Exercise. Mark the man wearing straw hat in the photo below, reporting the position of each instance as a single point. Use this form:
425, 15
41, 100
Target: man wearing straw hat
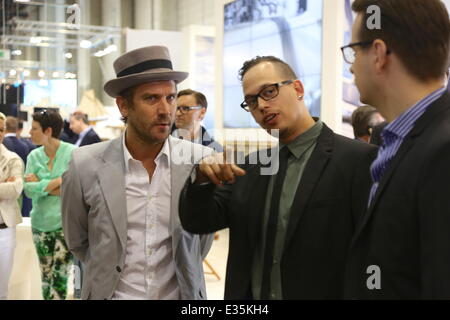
120, 197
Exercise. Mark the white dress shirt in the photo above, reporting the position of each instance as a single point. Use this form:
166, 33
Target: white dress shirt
149, 270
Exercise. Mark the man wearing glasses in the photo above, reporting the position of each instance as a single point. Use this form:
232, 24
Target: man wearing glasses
289, 231
401, 249
191, 110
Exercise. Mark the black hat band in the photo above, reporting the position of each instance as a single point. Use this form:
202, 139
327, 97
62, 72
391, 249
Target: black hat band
146, 65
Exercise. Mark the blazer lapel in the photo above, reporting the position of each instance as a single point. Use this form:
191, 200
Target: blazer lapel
112, 182
311, 176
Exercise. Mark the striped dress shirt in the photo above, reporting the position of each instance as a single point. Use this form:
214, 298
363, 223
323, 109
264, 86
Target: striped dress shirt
394, 134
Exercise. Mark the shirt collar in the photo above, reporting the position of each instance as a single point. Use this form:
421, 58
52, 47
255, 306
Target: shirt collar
163, 154
401, 126
10, 135
297, 146
83, 133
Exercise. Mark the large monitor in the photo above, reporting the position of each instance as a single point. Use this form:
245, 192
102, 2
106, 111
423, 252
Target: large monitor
288, 29
57, 92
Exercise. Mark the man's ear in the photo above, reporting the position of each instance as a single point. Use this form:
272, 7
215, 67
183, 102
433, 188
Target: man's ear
381, 53
298, 86
202, 114
122, 104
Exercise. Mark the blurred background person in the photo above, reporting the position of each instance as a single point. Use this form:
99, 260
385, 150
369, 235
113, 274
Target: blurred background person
11, 141
191, 109
14, 143
364, 119
27, 141
375, 137
67, 135
79, 124
11, 172
45, 165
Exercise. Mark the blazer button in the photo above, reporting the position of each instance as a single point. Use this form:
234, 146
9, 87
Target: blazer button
118, 269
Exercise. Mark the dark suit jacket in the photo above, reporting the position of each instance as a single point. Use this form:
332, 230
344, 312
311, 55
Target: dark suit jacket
328, 202
406, 231
90, 138
14, 144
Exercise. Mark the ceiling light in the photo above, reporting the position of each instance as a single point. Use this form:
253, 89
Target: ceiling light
68, 55
12, 72
85, 44
35, 40
55, 74
16, 52
26, 73
21, 0
41, 73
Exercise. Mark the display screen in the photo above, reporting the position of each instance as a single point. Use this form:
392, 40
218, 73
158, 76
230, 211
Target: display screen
58, 92
288, 29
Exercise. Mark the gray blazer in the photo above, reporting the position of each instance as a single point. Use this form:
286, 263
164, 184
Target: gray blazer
94, 217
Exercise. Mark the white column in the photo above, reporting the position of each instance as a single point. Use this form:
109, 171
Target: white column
332, 63
110, 17
83, 60
143, 14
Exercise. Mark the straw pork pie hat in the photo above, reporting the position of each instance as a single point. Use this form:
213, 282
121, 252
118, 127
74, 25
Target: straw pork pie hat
140, 66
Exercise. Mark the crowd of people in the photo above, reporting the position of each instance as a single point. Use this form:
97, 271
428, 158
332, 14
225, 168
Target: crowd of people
336, 218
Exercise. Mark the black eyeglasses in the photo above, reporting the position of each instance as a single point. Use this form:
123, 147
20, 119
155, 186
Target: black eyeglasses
186, 109
267, 93
349, 53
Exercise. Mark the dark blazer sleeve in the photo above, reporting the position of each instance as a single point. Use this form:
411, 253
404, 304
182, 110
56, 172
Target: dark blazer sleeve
204, 208
434, 221
91, 137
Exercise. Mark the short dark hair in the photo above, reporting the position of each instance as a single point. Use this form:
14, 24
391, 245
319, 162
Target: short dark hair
283, 67
12, 124
418, 31
80, 115
49, 119
200, 98
362, 120
128, 95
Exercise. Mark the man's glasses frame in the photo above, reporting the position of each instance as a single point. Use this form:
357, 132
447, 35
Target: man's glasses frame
251, 101
349, 53
186, 109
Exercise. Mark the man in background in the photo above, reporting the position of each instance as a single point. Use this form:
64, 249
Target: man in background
79, 124
364, 119
191, 109
17, 145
